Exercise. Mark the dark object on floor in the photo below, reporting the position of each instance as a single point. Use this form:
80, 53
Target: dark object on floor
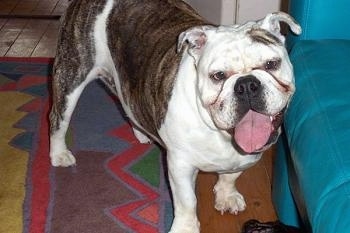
254, 226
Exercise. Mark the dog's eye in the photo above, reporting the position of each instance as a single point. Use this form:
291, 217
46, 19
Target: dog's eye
218, 76
273, 65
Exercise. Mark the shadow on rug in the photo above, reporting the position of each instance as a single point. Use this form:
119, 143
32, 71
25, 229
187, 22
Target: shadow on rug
118, 184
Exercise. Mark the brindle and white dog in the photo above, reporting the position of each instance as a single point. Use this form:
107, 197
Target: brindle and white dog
213, 96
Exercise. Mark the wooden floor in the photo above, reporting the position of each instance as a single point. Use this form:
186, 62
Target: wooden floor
37, 38
25, 37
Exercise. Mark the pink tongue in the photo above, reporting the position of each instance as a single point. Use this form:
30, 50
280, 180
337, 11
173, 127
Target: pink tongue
253, 131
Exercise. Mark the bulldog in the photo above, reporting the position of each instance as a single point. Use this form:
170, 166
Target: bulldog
212, 96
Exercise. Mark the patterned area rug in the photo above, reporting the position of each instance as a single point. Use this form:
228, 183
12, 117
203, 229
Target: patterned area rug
118, 184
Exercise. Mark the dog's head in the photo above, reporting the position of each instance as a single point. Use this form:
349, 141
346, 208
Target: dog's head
245, 79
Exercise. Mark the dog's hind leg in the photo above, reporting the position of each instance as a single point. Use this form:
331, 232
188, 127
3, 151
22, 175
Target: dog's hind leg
66, 93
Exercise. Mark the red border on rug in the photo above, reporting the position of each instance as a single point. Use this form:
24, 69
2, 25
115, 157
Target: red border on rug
40, 177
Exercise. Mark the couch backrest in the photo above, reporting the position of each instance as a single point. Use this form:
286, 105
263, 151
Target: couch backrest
321, 19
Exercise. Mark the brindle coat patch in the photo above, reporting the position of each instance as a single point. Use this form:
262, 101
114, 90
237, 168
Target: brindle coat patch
265, 37
142, 40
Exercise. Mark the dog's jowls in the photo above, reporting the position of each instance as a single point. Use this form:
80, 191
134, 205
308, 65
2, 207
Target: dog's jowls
213, 96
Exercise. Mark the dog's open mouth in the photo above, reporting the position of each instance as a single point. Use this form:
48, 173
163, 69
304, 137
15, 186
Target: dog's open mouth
256, 130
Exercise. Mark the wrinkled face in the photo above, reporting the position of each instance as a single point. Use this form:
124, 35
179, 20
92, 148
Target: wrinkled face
245, 81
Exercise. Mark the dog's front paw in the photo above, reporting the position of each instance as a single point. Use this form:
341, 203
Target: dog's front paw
63, 159
231, 201
185, 223
185, 228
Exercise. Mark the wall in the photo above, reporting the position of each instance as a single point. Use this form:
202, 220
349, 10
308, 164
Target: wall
255, 9
216, 11
236, 11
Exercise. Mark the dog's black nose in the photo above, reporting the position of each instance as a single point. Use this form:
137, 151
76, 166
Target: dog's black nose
247, 87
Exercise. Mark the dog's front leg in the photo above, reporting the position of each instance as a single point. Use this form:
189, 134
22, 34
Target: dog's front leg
227, 198
182, 177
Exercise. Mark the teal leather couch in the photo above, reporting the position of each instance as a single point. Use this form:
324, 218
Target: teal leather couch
311, 185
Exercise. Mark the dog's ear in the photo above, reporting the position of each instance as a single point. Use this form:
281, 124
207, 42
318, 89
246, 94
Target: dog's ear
195, 38
272, 22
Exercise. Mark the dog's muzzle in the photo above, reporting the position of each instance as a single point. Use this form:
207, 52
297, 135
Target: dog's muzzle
256, 130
